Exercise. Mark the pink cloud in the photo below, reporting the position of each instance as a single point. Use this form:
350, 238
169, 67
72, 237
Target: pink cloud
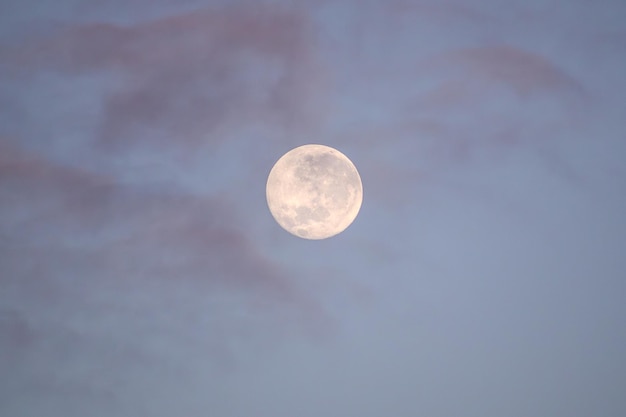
181, 78
73, 241
69, 204
527, 73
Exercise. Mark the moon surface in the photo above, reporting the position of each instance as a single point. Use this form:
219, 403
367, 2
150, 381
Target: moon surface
314, 192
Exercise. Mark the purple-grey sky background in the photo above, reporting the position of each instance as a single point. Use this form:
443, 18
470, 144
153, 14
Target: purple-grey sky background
141, 273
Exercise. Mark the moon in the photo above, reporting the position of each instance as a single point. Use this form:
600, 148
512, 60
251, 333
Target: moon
314, 192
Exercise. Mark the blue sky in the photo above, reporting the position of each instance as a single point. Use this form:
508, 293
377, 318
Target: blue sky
141, 273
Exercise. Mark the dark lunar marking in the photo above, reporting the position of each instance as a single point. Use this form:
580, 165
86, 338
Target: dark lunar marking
289, 222
315, 166
330, 169
306, 214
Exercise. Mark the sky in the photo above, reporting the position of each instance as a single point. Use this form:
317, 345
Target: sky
142, 274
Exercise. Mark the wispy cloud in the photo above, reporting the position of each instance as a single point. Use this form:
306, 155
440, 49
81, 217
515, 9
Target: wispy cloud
523, 71
181, 78
81, 253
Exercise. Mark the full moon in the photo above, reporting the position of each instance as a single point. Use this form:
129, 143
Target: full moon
314, 192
